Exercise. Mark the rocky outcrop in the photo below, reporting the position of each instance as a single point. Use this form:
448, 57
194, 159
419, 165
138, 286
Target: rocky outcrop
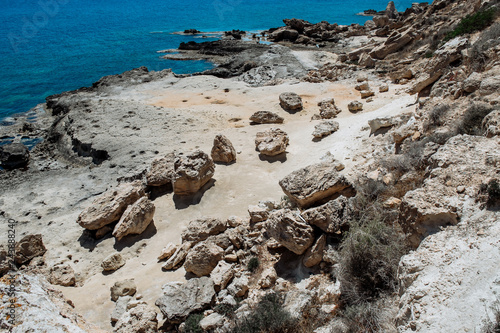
14, 155
192, 172
179, 300
141, 318
395, 42
272, 142
29, 247
123, 288
266, 117
135, 219
290, 101
325, 128
200, 229
331, 217
355, 106
223, 150
62, 275
110, 206
290, 230
491, 124
203, 258
113, 262
161, 171
314, 183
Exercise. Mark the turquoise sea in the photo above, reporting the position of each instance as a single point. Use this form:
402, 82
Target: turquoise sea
50, 46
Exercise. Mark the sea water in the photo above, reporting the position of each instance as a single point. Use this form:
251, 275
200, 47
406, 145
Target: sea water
51, 46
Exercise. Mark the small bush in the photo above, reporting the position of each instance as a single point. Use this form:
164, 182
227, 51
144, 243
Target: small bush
364, 318
411, 158
226, 309
369, 254
492, 191
472, 23
269, 316
436, 116
493, 326
488, 40
371, 189
473, 119
193, 323
253, 264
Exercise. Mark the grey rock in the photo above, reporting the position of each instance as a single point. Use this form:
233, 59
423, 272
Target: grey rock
325, 128
161, 171
290, 230
290, 101
266, 117
14, 155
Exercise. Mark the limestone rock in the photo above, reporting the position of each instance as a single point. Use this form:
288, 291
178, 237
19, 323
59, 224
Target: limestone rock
330, 217
200, 229
203, 258
266, 117
179, 300
123, 288
258, 213
239, 286
14, 155
268, 278
178, 257
223, 150
355, 106
161, 171
491, 124
328, 109
167, 251
272, 142
314, 255
222, 274
362, 86
140, 319
101, 232
391, 11
472, 83
135, 219
110, 206
192, 172
29, 247
378, 123
383, 88
325, 128
113, 262
367, 93
120, 307
290, 101
211, 322
313, 183
395, 42
367, 61
289, 229
490, 84
62, 275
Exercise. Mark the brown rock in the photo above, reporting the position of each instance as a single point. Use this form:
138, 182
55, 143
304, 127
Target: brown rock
110, 206
394, 43
272, 142
355, 106
290, 101
29, 247
167, 252
135, 219
362, 86
290, 231
314, 255
62, 275
178, 257
203, 258
123, 288
328, 109
200, 229
192, 172
330, 217
367, 93
223, 150
113, 262
266, 117
162, 171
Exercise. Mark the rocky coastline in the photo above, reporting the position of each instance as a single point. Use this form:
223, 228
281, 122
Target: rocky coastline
337, 179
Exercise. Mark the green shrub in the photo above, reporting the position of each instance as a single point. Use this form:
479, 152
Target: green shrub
193, 323
472, 23
436, 116
371, 189
253, 264
369, 254
268, 316
473, 119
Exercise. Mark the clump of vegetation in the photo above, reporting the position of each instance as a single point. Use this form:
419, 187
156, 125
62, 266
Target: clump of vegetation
410, 159
365, 317
474, 22
371, 189
253, 264
491, 192
473, 119
226, 309
268, 316
487, 41
193, 323
493, 326
436, 116
369, 254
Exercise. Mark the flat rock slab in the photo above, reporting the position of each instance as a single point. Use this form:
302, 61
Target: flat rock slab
313, 183
325, 128
266, 117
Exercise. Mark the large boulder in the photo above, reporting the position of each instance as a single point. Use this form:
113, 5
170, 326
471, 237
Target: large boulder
202, 259
139, 319
266, 117
284, 34
200, 229
330, 217
135, 219
289, 229
272, 142
313, 183
290, 101
179, 300
110, 206
223, 150
14, 155
222, 274
325, 128
29, 247
192, 172
491, 124
161, 171
391, 11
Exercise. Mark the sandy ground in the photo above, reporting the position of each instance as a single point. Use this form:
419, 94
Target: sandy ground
212, 106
